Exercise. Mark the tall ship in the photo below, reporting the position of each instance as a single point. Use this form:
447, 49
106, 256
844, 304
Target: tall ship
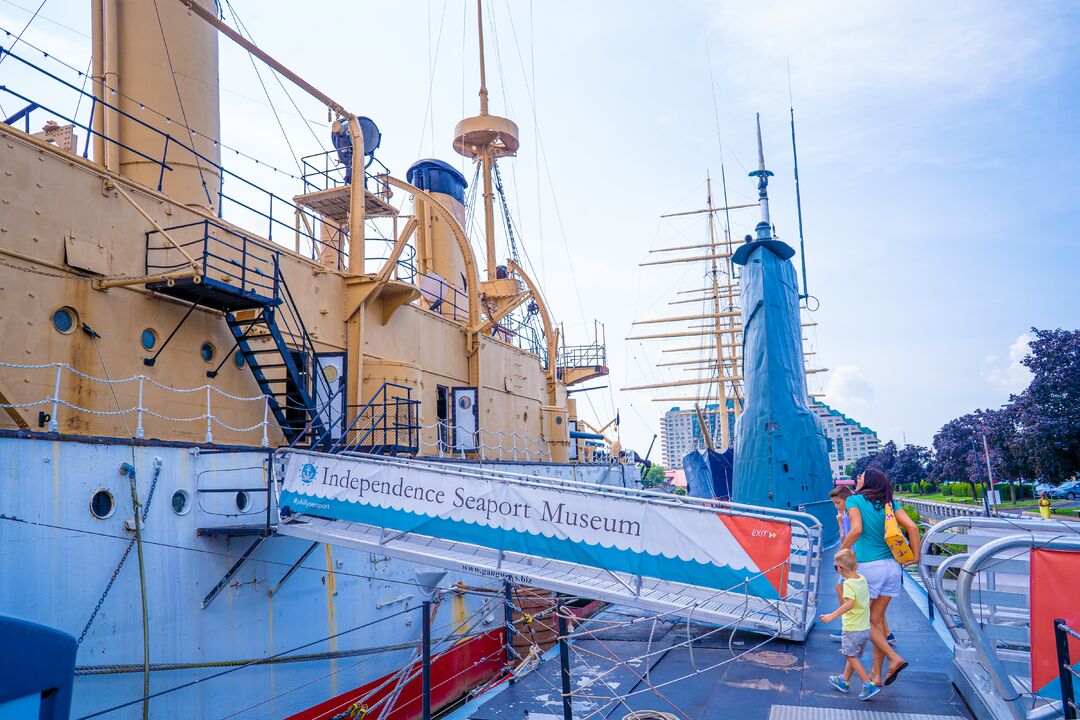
170, 323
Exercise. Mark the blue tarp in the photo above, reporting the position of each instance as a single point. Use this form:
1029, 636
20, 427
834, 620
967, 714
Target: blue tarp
708, 474
781, 455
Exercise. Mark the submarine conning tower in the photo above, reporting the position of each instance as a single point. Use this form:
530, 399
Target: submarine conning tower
781, 454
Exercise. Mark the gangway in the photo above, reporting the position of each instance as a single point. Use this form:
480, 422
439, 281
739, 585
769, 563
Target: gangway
711, 562
1001, 585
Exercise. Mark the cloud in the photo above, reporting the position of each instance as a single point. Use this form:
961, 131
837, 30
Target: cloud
952, 51
1013, 377
848, 388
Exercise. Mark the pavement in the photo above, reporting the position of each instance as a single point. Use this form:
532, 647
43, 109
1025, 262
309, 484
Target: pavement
640, 666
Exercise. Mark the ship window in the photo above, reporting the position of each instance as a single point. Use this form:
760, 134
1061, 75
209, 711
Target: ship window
65, 319
101, 504
238, 358
148, 339
180, 502
207, 352
242, 501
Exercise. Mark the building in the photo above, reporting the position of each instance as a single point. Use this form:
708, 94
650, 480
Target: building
848, 439
680, 431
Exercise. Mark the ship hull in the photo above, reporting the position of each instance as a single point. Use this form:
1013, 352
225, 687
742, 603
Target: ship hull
57, 558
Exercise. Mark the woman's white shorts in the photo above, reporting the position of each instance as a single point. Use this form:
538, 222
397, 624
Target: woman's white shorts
882, 577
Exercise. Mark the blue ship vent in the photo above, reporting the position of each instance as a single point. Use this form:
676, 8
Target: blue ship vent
438, 176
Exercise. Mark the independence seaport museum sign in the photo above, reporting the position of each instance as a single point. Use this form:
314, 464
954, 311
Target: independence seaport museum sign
625, 531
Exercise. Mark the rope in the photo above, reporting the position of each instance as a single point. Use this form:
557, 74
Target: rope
240, 667
123, 558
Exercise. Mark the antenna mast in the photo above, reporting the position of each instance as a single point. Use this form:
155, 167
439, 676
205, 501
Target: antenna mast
798, 196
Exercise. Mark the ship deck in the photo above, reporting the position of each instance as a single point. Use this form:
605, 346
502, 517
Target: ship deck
742, 676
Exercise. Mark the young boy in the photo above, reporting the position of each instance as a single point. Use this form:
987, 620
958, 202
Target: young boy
855, 610
839, 496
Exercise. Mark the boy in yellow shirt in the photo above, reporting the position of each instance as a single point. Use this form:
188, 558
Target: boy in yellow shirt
855, 611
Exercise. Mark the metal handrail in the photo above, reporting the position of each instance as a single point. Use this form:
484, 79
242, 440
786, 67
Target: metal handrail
999, 676
162, 162
809, 527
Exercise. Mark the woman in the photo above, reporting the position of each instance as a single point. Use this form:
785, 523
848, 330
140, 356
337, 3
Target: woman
866, 512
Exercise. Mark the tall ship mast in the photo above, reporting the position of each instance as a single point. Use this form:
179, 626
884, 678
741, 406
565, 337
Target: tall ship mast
171, 322
716, 392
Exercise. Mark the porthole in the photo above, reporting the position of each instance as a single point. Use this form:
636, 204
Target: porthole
102, 504
180, 502
242, 501
148, 339
238, 358
65, 319
207, 352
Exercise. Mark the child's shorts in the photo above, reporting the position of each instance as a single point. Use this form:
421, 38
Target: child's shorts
852, 644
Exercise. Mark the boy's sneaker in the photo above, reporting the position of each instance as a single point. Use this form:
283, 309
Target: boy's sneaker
869, 690
891, 639
839, 683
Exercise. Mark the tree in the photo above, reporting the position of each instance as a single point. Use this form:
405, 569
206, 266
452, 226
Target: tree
1047, 413
654, 476
958, 452
909, 464
912, 465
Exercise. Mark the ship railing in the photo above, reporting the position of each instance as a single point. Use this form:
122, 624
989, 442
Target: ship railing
135, 389
251, 204
489, 445
223, 255
1068, 675
977, 573
326, 170
389, 422
577, 356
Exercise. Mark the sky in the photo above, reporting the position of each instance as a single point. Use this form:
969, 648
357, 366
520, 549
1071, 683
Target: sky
938, 145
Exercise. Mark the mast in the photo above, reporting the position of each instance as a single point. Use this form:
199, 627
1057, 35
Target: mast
725, 439
720, 334
485, 138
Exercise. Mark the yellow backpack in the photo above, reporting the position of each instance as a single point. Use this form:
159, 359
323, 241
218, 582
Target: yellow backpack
895, 539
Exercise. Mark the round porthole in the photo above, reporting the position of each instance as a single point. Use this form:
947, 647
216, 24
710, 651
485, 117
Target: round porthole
242, 501
102, 504
238, 358
148, 339
330, 373
65, 319
207, 352
180, 502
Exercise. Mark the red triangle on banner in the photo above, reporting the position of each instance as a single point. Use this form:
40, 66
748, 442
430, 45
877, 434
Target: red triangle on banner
767, 542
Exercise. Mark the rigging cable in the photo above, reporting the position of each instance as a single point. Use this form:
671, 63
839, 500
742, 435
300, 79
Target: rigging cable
228, 671
129, 470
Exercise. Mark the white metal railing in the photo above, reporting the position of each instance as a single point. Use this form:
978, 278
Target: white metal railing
943, 510
976, 571
140, 409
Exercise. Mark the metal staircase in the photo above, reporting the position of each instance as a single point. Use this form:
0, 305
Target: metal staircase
242, 279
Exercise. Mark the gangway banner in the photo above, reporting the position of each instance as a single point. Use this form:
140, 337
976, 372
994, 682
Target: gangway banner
622, 531
1053, 597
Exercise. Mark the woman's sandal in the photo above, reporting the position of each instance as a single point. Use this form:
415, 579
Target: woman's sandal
894, 672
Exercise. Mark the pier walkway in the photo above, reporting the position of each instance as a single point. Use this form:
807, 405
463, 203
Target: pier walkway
728, 675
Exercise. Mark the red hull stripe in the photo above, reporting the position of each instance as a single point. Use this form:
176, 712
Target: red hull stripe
453, 673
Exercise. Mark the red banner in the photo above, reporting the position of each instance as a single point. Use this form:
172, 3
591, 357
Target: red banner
1053, 596
767, 542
